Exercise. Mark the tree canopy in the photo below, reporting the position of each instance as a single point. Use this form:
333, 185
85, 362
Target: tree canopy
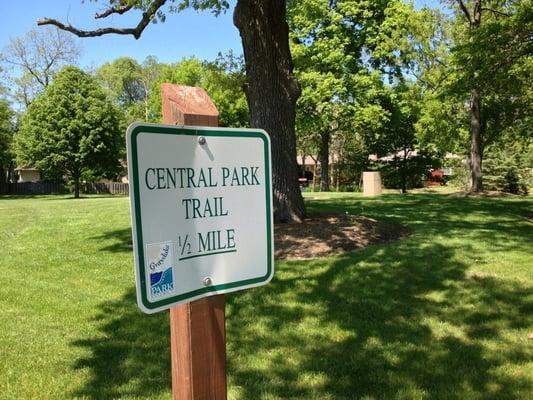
490, 67
134, 86
37, 56
353, 59
371, 78
130, 85
7, 130
271, 90
71, 129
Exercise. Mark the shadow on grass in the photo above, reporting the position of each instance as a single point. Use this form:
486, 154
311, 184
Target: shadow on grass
496, 221
121, 240
130, 357
405, 324
399, 321
55, 196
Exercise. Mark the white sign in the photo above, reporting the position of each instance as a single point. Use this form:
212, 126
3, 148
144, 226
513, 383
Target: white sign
201, 206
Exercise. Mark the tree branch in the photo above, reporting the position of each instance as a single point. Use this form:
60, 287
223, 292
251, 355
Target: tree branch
136, 32
495, 11
114, 10
465, 10
82, 33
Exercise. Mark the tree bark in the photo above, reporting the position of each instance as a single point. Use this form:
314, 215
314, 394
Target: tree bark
336, 175
3, 180
11, 177
272, 92
76, 187
403, 171
324, 161
145, 87
476, 144
314, 173
476, 149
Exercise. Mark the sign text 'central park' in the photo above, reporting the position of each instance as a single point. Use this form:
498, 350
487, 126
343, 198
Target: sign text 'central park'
201, 211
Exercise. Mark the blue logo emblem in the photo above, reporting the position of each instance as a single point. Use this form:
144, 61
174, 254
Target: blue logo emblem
160, 265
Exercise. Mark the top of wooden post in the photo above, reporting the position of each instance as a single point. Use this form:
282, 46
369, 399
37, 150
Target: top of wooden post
187, 105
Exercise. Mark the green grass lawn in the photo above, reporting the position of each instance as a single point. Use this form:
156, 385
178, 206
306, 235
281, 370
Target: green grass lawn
442, 314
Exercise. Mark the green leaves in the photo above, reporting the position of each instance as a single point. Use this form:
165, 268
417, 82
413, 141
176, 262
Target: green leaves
343, 53
71, 128
6, 135
216, 6
494, 57
223, 79
129, 84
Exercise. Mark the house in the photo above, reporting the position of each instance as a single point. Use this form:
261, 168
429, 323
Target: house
312, 164
28, 174
309, 167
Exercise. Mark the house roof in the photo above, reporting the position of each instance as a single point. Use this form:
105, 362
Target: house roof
26, 169
310, 161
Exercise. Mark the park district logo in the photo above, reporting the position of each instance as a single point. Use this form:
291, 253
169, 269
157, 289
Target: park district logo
160, 269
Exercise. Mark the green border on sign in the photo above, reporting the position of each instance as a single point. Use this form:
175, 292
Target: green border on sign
154, 129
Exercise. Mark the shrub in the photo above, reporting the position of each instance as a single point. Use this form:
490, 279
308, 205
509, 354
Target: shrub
505, 169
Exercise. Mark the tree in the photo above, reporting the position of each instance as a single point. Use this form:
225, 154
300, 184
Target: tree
38, 55
225, 83
3, 89
271, 92
6, 138
474, 21
344, 50
71, 128
130, 85
410, 160
491, 61
322, 57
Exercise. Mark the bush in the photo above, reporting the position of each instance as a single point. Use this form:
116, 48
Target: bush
350, 169
459, 177
506, 170
353, 187
413, 171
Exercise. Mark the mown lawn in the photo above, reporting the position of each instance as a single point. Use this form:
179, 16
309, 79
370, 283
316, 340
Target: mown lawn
443, 314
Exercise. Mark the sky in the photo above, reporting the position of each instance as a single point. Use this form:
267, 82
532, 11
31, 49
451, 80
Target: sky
182, 35
189, 33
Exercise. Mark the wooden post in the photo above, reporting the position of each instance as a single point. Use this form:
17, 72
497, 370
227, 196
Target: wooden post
197, 329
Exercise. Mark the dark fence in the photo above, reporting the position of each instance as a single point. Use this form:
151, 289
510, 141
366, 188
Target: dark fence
34, 188
111, 188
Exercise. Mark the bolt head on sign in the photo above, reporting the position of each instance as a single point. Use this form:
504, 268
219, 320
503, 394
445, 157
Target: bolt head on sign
201, 206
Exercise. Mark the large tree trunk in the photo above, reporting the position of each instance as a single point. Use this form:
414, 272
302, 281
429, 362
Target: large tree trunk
403, 172
314, 174
76, 187
3, 180
476, 149
337, 173
272, 93
12, 178
324, 161
476, 145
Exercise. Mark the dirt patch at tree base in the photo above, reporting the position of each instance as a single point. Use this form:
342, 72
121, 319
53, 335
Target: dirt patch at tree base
328, 234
